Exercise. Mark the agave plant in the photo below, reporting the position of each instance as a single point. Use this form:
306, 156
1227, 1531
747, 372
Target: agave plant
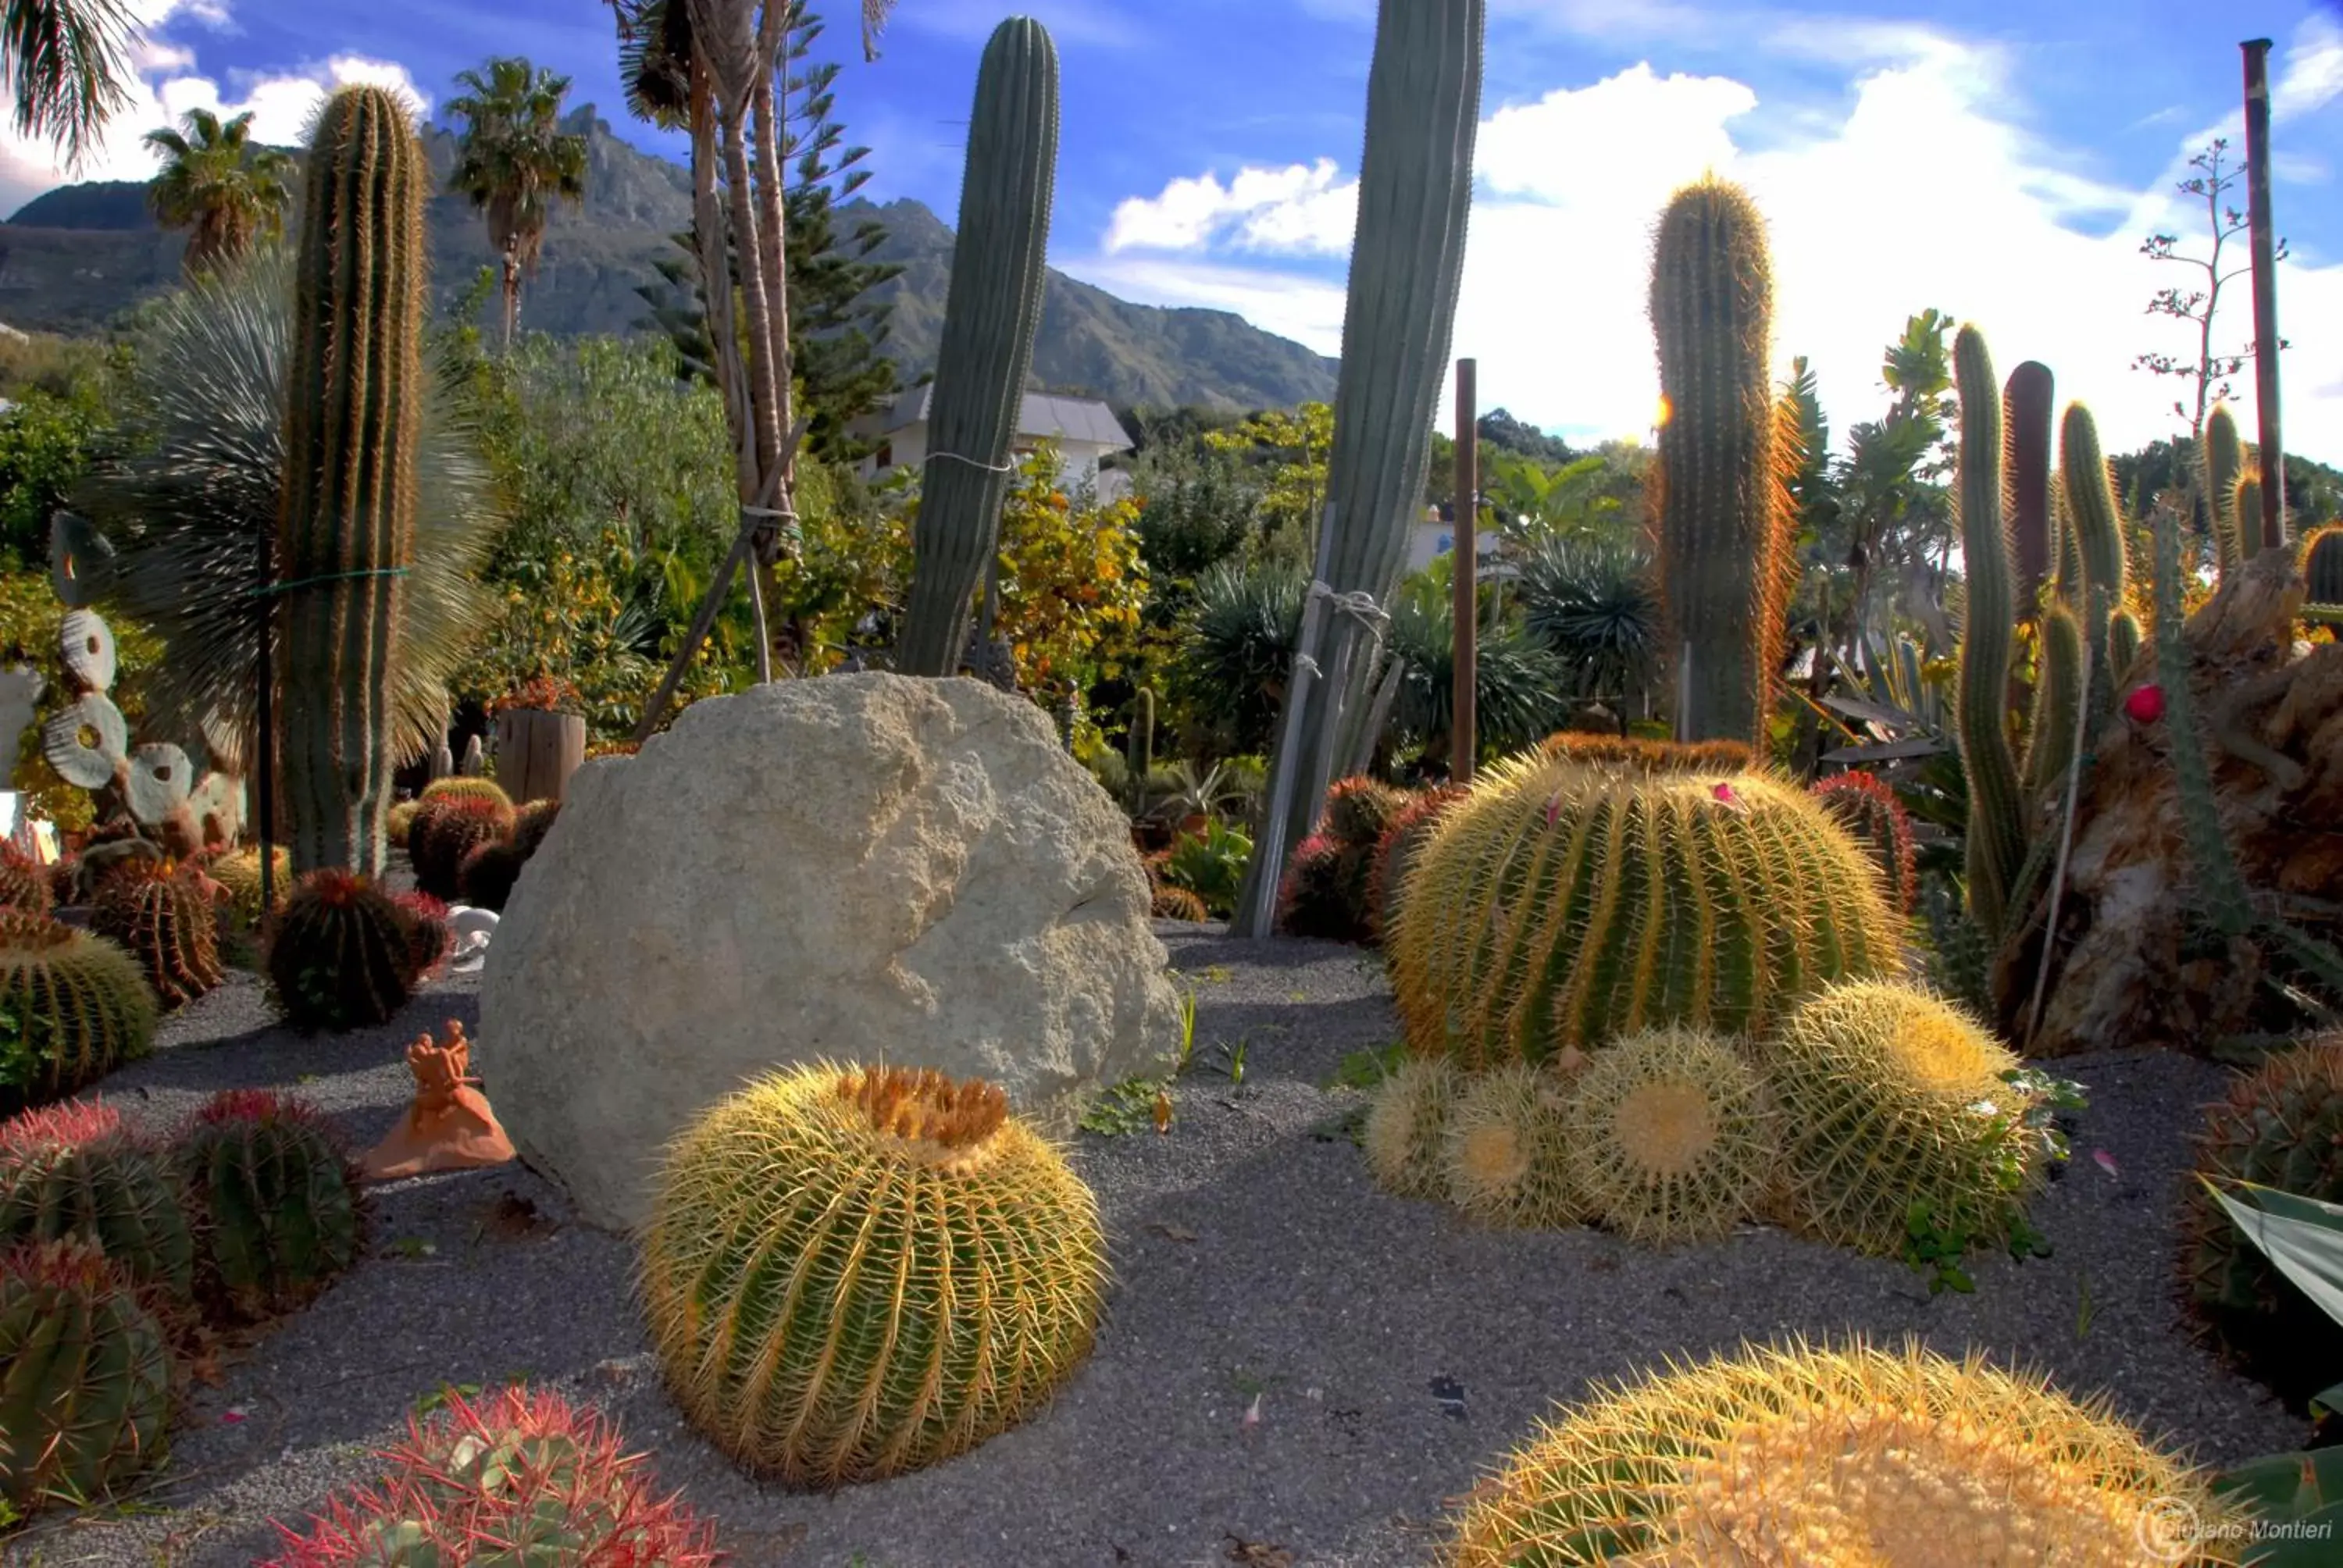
1595, 605
187, 507
1519, 686
1237, 648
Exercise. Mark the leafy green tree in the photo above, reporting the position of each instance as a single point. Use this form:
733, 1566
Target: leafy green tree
514, 161
224, 191
47, 444
66, 64
1286, 454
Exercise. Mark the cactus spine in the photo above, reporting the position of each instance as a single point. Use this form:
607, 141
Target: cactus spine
2224, 459
280, 1199
1724, 560
2322, 556
991, 311
75, 1169
163, 919
1997, 824
2027, 412
1139, 750
2058, 700
1867, 806
347, 521
84, 1375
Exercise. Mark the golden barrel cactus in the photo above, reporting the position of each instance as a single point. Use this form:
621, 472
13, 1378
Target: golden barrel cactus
1506, 1150
1407, 1127
1580, 893
854, 1272
1672, 1136
1795, 1457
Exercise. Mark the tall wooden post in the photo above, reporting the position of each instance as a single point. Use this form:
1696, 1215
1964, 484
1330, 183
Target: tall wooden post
1462, 738
2262, 232
264, 759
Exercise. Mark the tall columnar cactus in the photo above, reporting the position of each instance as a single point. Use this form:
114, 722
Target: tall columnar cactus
2027, 411
84, 1375
2221, 461
346, 520
76, 1170
1798, 1455
1565, 902
2322, 557
73, 1007
2098, 540
1996, 823
1726, 568
991, 311
282, 1212
1138, 749
2050, 730
1407, 262
853, 1274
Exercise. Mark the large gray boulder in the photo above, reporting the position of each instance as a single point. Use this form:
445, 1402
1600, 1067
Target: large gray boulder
859, 867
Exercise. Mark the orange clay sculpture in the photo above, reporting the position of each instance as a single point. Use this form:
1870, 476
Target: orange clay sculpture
449, 1127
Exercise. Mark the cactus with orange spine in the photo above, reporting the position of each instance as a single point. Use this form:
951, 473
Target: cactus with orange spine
73, 1007
75, 1168
163, 919
1866, 806
941, 1271
1671, 1135
1565, 902
2221, 460
1172, 903
84, 1376
341, 953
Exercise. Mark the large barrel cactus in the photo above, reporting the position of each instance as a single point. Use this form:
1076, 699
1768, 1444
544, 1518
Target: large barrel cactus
347, 525
852, 1274
283, 1217
1726, 567
84, 1375
162, 916
1567, 901
991, 311
73, 1007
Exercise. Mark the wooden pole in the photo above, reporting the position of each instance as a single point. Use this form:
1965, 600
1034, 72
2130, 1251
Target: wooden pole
1467, 617
2265, 342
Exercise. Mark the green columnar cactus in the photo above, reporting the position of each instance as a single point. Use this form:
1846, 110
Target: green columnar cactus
1565, 902
1138, 749
2098, 540
852, 1274
1996, 822
1407, 262
163, 919
73, 1007
2123, 634
341, 953
2026, 415
84, 1375
283, 1217
2222, 459
2219, 887
75, 1169
2322, 556
1867, 806
2245, 504
346, 524
991, 311
1724, 560
2058, 700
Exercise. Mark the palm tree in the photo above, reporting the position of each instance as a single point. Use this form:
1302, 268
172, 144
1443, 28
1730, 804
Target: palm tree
227, 192
515, 160
64, 63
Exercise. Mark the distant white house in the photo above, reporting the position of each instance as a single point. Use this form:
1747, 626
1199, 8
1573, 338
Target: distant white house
1434, 535
1084, 430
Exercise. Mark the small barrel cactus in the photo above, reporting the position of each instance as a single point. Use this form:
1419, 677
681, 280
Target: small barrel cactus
1671, 1135
1395, 852
520, 1480
1864, 805
163, 919
1896, 1107
1507, 1151
1842, 1457
1178, 904
448, 828
341, 953
1322, 893
24, 886
1359, 811
283, 1217
84, 1376
457, 785
238, 870
76, 1170
1571, 900
73, 1007
432, 939
850, 1273
2280, 1126
489, 873
1406, 1135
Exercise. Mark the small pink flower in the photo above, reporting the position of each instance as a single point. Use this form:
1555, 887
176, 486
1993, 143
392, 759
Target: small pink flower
1553, 807
1727, 796
2105, 1162
232, 1414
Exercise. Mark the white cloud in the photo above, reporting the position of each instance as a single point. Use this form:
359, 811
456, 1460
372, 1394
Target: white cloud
168, 85
1556, 271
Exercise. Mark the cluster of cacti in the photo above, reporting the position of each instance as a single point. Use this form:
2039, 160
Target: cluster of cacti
76, 1169
1506, 1148
992, 308
1567, 901
1328, 877
1395, 852
346, 533
1863, 805
1797, 1456
1671, 1135
73, 1007
450, 828
84, 1376
1895, 1107
520, 1480
2280, 1126
853, 1272
1723, 513
344, 954
279, 1194
489, 873
24, 886
238, 871
162, 916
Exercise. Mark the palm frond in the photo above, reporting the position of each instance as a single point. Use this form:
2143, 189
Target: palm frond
67, 64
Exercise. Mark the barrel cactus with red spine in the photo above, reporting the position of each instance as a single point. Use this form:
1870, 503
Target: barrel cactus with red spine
447, 830
1325, 890
24, 886
73, 1007
342, 954
283, 1215
84, 1376
489, 873
520, 1479
1867, 808
161, 915
76, 1169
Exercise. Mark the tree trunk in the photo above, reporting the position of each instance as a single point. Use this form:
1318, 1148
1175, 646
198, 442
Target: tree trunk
511, 292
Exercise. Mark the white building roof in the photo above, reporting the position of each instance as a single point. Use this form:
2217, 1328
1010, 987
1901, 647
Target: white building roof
1041, 418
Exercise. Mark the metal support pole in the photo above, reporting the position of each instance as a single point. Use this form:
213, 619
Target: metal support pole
2262, 232
1463, 741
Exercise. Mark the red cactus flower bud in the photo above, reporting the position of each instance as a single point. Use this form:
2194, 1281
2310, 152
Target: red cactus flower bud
2145, 704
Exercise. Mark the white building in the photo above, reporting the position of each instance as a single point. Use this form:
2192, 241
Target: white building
1434, 535
1084, 430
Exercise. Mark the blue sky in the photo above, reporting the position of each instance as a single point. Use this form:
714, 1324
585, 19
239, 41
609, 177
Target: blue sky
1998, 160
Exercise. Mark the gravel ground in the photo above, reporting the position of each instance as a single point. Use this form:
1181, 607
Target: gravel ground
1391, 1352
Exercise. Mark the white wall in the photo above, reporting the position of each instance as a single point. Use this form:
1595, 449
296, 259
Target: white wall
1078, 461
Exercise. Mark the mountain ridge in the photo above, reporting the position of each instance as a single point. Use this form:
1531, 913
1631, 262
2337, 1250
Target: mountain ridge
74, 257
